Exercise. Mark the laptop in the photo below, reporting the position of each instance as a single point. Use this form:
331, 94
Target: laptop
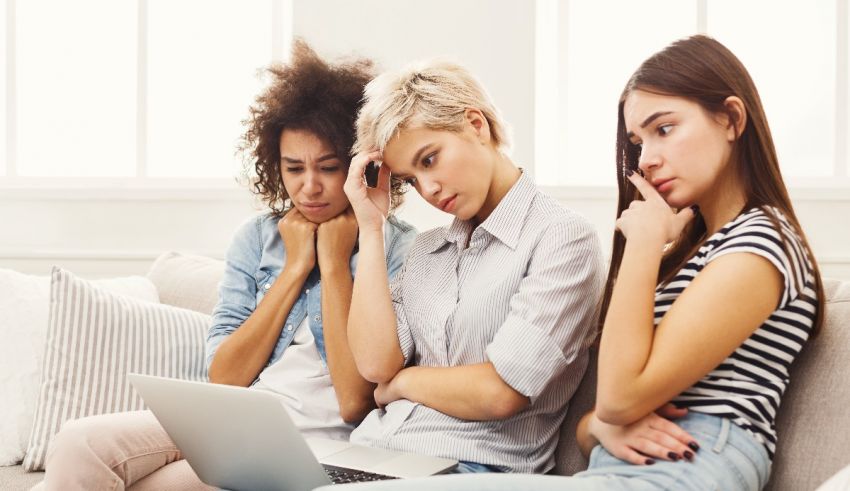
241, 439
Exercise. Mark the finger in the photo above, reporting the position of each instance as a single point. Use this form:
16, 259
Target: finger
684, 216
632, 456
674, 431
357, 168
670, 411
651, 448
645, 188
670, 444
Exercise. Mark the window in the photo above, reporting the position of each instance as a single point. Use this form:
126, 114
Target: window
202, 77
75, 96
591, 53
133, 89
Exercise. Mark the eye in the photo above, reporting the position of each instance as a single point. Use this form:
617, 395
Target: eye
410, 181
330, 168
665, 129
294, 169
429, 160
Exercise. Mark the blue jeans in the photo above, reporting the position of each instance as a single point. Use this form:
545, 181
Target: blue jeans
729, 459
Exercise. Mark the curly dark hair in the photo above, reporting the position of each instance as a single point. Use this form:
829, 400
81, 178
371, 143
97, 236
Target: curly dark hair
305, 94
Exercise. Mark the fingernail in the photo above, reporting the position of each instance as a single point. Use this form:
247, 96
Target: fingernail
629, 172
673, 456
694, 446
695, 208
688, 455
649, 461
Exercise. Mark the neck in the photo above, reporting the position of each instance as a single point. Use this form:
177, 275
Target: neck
720, 208
505, 175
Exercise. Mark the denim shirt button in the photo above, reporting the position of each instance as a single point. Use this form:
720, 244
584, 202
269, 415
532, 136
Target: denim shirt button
316, 318
307, 291
267, 286
289, 327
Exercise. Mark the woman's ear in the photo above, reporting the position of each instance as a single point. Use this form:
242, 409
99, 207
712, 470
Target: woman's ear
737, 113
480, 125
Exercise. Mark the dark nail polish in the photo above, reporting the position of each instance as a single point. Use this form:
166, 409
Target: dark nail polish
649, 461
694, 446
629, 172
688, 455
673, 456
695, 209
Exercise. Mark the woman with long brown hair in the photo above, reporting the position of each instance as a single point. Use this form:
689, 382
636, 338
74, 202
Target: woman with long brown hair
712, 292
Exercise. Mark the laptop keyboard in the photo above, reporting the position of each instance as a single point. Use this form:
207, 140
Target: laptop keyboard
338, 475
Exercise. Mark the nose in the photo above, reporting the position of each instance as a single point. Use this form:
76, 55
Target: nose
650, 159
312, 183
428, 188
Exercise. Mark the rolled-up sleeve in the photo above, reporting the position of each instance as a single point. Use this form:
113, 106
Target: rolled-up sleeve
237, 297
552, 317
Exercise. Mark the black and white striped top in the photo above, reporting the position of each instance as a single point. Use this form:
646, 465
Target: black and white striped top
522, 296
748, 386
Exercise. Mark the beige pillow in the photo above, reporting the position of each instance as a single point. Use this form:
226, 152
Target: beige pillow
187, 281
24, 304
94, 338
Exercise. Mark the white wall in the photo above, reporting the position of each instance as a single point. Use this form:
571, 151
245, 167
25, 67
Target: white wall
106, 232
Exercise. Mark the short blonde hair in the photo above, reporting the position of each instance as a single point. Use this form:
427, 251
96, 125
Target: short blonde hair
433, 94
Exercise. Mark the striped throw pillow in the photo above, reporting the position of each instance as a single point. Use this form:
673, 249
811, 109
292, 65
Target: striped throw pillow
94, 339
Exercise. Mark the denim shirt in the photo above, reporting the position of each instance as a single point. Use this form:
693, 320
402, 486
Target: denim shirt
254, 260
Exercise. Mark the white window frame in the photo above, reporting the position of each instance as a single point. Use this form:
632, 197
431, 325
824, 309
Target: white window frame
835, 187
141, 185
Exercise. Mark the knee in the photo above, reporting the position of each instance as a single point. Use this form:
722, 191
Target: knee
74, 439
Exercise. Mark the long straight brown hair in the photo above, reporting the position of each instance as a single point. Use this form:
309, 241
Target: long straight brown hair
702, 70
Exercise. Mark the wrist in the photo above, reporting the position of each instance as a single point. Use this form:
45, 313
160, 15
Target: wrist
335, 269
401, 383
646, 245
296, 270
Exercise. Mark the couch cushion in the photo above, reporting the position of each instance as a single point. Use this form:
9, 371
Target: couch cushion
187, 281
15, 478
814, 420
568, 457
24, 303
94, 338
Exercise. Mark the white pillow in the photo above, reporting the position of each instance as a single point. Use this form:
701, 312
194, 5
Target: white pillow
94, 339
24, 302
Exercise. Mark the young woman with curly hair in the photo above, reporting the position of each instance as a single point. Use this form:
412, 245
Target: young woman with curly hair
280, 322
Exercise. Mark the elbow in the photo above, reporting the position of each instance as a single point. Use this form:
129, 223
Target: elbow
376, 371
505, 402
614, 412
354, 411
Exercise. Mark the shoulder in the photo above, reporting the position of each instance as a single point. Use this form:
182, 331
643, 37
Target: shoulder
252, 232
549, 217
396, 226
762, 228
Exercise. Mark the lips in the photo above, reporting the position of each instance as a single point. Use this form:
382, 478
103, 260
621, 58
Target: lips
663, 185
447, 204
313, 207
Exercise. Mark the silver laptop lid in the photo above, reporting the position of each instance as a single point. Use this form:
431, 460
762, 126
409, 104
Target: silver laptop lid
233, 437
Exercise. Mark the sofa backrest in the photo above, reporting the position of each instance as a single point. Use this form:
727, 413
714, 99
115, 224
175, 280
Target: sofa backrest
814, 419
187, 281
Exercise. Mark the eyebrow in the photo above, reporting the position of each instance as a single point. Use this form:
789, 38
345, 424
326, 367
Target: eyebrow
419, 153
290, 160
649, 120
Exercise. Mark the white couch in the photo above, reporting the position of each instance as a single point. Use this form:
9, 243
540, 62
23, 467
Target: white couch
813, 426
